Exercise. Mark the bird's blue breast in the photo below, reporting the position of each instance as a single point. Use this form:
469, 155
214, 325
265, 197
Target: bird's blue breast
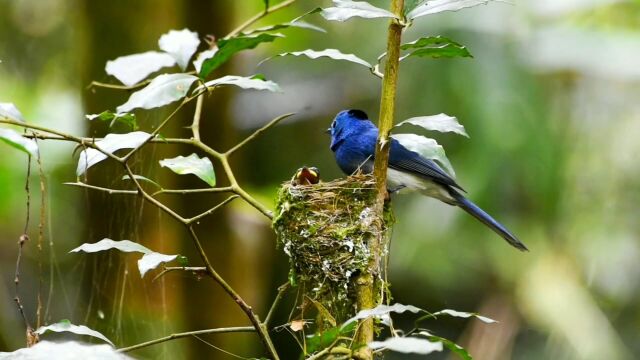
356, 152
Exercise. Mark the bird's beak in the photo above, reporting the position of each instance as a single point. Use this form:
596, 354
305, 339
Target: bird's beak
328, 131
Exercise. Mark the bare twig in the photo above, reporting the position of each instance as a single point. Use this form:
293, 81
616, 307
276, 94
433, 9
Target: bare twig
193, 191
195, 125
258, 132
41, 224
257, 17
104, 189
187, 334
210, 211
281, 291
194, 269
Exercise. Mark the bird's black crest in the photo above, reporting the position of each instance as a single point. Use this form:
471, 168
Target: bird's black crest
358, 114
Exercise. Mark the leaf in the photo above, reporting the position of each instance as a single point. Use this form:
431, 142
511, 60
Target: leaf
319, 341
452, 346
127, 119
132, 69
110, 144
255, 83
66, 326
62, 350
329, 53
435, 47
192, 164
440, 122
298, 24
438, 6
11, 112
107, 244
227, 48
162, 90
407, 345
19, 142
141, 178
428, 148
464, 315
152, 260
346, 9
181, 45
297, 325
382, 310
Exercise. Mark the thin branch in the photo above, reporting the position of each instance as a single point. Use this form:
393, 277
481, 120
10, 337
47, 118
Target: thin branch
118, 87
187, 334
194, 269
149, 198
258, 132
281, 291
87, 140
257, 17
194, 191
104, 189
195, 125
210, 211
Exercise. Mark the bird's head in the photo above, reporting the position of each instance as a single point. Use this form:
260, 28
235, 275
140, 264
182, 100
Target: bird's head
347, 123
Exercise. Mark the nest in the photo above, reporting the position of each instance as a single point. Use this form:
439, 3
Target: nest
325, 229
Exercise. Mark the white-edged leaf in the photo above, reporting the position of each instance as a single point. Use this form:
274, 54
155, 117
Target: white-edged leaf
110, 144
328, 53
438, 6
132, 69
452, 346
407, 345
192, 164
11, 112
244, 82
180, 44
427, 147
440, 122
19, 142
62, 349
66, 326
381, 311
346, 9
108, 244
162, 90
202, 56
152, 260
464, 315
141, 178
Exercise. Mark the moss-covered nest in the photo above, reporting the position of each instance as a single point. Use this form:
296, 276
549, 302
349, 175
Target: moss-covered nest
326, 229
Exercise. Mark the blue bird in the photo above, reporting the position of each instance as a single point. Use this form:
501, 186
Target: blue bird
353, 139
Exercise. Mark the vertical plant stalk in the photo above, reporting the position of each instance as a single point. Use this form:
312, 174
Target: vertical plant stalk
367, 284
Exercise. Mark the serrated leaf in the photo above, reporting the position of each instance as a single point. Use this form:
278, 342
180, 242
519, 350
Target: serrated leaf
19, 142
141, 178
427, 147
438, 6
440, 122
328, 53
407, 345
435, 47
127, 119
181, 45
464, 315
382, 310
132, 69
255, 83
108, 244
11, 112
152, 260
110, 144
66, 326
227, 48
192, 164
346, 9
162, 90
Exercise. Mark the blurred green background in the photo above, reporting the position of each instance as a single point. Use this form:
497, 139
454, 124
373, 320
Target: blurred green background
551, 102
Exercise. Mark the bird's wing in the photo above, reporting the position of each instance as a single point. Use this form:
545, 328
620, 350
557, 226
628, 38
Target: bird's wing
402, 159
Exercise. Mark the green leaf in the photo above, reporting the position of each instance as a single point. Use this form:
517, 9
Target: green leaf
452, 346
407, 345
435, 47
181, 45
19, 142
438, 6
256, 83
266, 5
127, 119
440, 122
162, 90
132, 69
322, 340
11, 112
192, 164
329, 53
346, 9
427, 147
298, 24
183, 260
141, 178
110, 144
409, 5
210, 60
66, 326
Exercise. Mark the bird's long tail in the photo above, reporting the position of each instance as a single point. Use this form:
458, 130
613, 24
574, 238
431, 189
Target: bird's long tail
486, 219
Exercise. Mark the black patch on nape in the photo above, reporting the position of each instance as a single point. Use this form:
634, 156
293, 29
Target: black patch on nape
358, 114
